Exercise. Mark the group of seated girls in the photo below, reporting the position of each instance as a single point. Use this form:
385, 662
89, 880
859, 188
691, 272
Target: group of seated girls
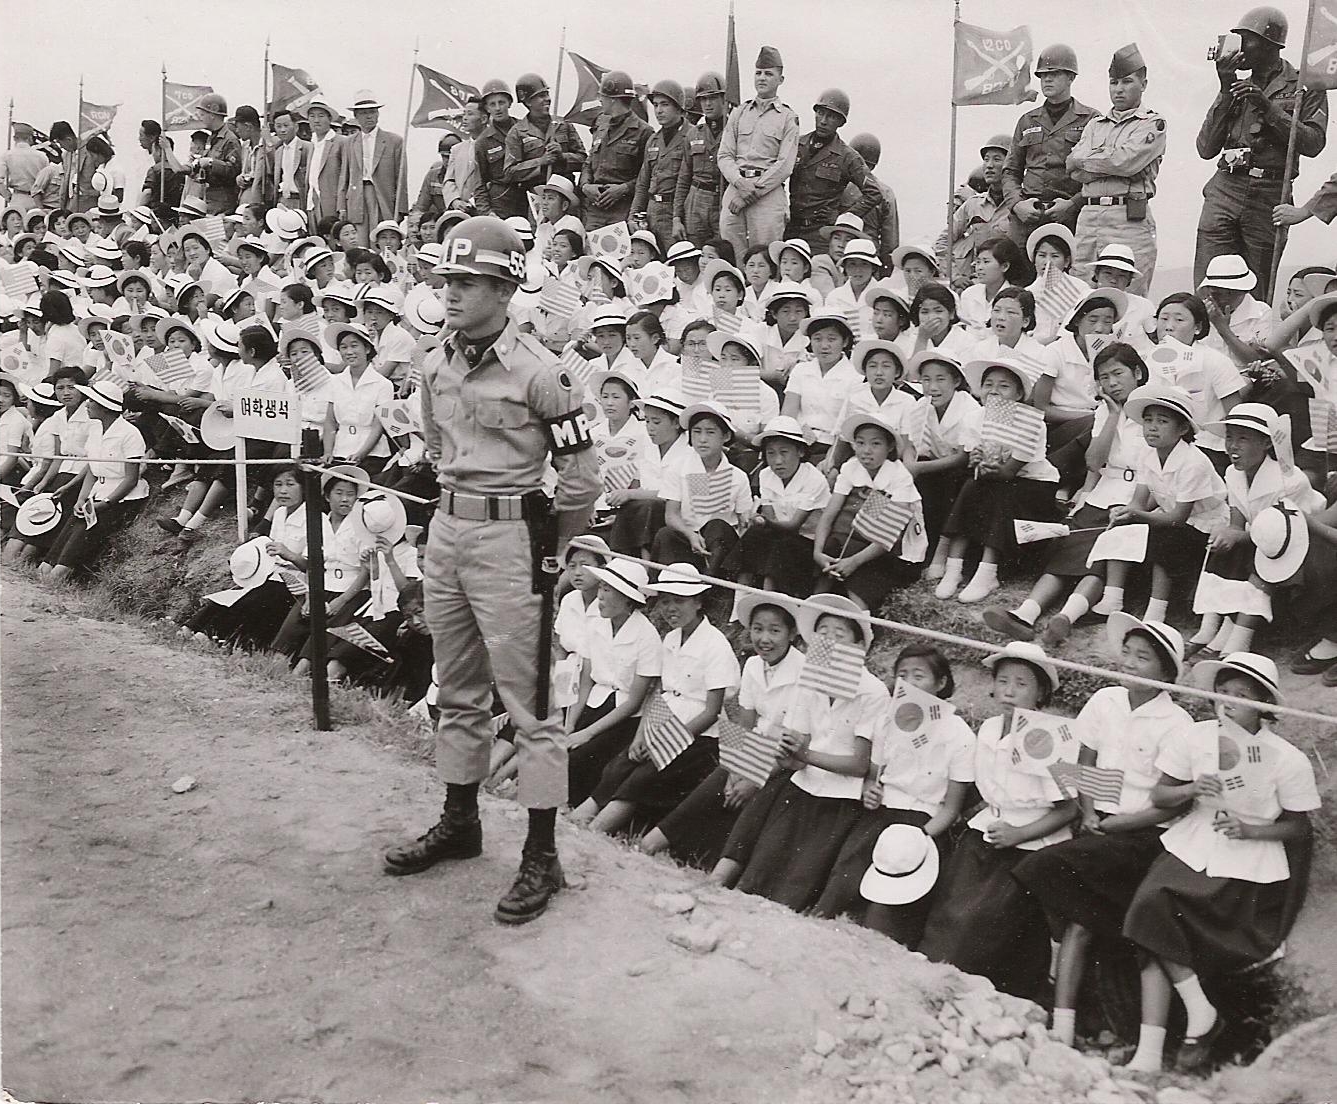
948, 840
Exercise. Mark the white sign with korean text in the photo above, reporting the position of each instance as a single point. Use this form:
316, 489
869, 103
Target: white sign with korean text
269, 416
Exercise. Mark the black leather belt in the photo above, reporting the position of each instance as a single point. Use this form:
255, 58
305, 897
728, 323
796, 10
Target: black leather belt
471, 507
1270, 176
750, 174
1104, 201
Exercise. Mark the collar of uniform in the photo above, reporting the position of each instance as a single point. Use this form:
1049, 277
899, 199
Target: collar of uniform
762, 105
1284, 75
1162, 705
1140, 112
502, 349
1268, 481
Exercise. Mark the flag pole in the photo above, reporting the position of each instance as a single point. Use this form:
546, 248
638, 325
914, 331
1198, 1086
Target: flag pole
162, 137
408, 107
9, 130
1287, 184
557, 85
951, 157
264, 88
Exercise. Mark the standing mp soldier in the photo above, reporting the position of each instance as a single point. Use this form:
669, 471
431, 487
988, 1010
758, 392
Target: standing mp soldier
617, 151
496, 406
1036, 183
1116, 162
540, 146
696, 200
494, 193
1247, 129
19, 168
665, 155
756, 155
822, 169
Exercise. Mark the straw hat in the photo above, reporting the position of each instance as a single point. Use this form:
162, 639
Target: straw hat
378, 516
39, 514
833, 604
217, 430
904, 868
1026, 652
627, 578
251, 564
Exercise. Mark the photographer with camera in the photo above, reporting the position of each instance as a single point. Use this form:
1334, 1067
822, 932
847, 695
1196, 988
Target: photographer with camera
1248, 129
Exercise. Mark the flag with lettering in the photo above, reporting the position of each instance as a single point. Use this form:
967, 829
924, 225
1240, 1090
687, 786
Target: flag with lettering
1319, 69
95, 119
746, 754
991, 67
711, 493
1040, 739
173, 368
664, 735
291, 89
1323, 424
19, 280
443, 101
882, 520
355, 634
832, 668
1014, 428
1028, 532
576, 364
912, 712
181, 106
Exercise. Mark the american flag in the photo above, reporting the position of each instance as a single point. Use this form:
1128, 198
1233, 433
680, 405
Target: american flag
212, 229
1100, 783
665, 736
696, 379
856, 323
359, 637
172, 367
882, 520
924, 429
745, 753
1323, 424
738, 390
560, 299
728, 323
308, 323
711, 492
295, 581
308, 374
832, 668
1014, 427
620, 476
1039, 739
1059, 292
19, 280
1067, 776
577, 365
261, 289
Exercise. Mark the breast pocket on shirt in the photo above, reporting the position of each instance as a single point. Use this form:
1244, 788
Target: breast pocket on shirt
828, 171
623, 157
502, 414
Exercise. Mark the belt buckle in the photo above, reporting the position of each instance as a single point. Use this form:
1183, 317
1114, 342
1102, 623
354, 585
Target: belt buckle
1107, 201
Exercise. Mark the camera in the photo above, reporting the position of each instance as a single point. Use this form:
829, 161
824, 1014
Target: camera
1226, 46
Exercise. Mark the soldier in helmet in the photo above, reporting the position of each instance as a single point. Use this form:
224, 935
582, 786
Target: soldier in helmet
980, 218
824, 166
696, 201
496, 408
665, 154
540, 146
494, 194
883, 222
1116, 161
1037, 186
617, 151
220, 163
1247, 131
756, 155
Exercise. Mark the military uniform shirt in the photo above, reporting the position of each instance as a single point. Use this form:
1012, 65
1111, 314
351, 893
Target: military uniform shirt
664, 160
700, 168
526, 145
821, 171
1037, 165
1229, 125
493, 195
1119, 153
760, 134
617, 150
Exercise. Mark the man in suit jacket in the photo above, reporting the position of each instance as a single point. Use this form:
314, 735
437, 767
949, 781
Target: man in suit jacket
326, 182
376, 173
289, 162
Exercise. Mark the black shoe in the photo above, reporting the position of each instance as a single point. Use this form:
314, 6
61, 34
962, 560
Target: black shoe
1196, 1053
170, 525
1007, 623
540, 877
451, 837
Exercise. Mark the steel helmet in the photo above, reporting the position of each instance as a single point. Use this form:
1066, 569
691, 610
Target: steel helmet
1267, 23
483, 246
618, 84
212, 103
670, 90
709, 84
999, 142
1058, 58
495, 86
833, 99
868, 147
528, 86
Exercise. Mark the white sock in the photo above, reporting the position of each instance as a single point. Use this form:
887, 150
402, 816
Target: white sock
1065, 1025
1075, 608
1054, 948
196, 520
182, 516
1150, 1050
985, 573
951, 578
1222, 637
983, 583
1156, 610
1028, 611
1111, 601
1211, 625
1324, 649
1241, 640
1201, 1014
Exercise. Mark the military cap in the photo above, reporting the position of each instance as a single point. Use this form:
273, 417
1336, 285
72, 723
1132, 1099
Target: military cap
1126, 61
768, 57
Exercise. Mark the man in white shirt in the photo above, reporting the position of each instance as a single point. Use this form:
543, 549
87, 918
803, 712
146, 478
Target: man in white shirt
377, 175
462, 172
291, 161
1239, 321
325, 173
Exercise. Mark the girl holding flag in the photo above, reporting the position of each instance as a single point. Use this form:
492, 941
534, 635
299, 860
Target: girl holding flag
1056, 290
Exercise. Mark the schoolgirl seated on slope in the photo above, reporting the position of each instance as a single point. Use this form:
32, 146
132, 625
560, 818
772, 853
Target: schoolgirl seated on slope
890, 317
939, 328
883, 369
784, 308
1050, 248
999, 263
817, 388
860, 265
640, 508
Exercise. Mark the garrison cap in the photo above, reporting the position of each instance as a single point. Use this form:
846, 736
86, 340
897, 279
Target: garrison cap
1126, 61
768, 57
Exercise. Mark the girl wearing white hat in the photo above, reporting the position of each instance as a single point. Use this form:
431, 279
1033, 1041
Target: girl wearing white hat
647, 341
620, 437
1010, 333
783, 309
1232, 596
860, 265
1224, 894
640, 508
15, 430
883, 368
1050, 248
982, 921
353, 432
698, 667
817, 388
1085, 885
787, 840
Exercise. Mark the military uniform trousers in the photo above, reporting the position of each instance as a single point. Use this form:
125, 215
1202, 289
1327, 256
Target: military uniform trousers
1099, 226
1237, 218
759, 223
702, 209
484, 619
599, 217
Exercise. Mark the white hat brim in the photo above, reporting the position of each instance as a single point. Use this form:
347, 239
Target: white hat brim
891, 889
621, 585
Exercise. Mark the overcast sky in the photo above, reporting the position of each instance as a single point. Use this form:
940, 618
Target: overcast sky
893, 57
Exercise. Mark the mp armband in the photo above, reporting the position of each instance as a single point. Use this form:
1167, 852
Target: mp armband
569, 433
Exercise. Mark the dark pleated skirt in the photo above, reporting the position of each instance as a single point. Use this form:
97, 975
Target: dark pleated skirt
252, 620
635, 526
1179, 549
654, 791
986, 508
1212, 925
798, 845
1091, 880
939, 490
983, 922
1067, 556
785, 557
585, 764
699, 827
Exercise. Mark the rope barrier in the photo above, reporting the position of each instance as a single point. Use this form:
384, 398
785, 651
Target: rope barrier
984, 646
